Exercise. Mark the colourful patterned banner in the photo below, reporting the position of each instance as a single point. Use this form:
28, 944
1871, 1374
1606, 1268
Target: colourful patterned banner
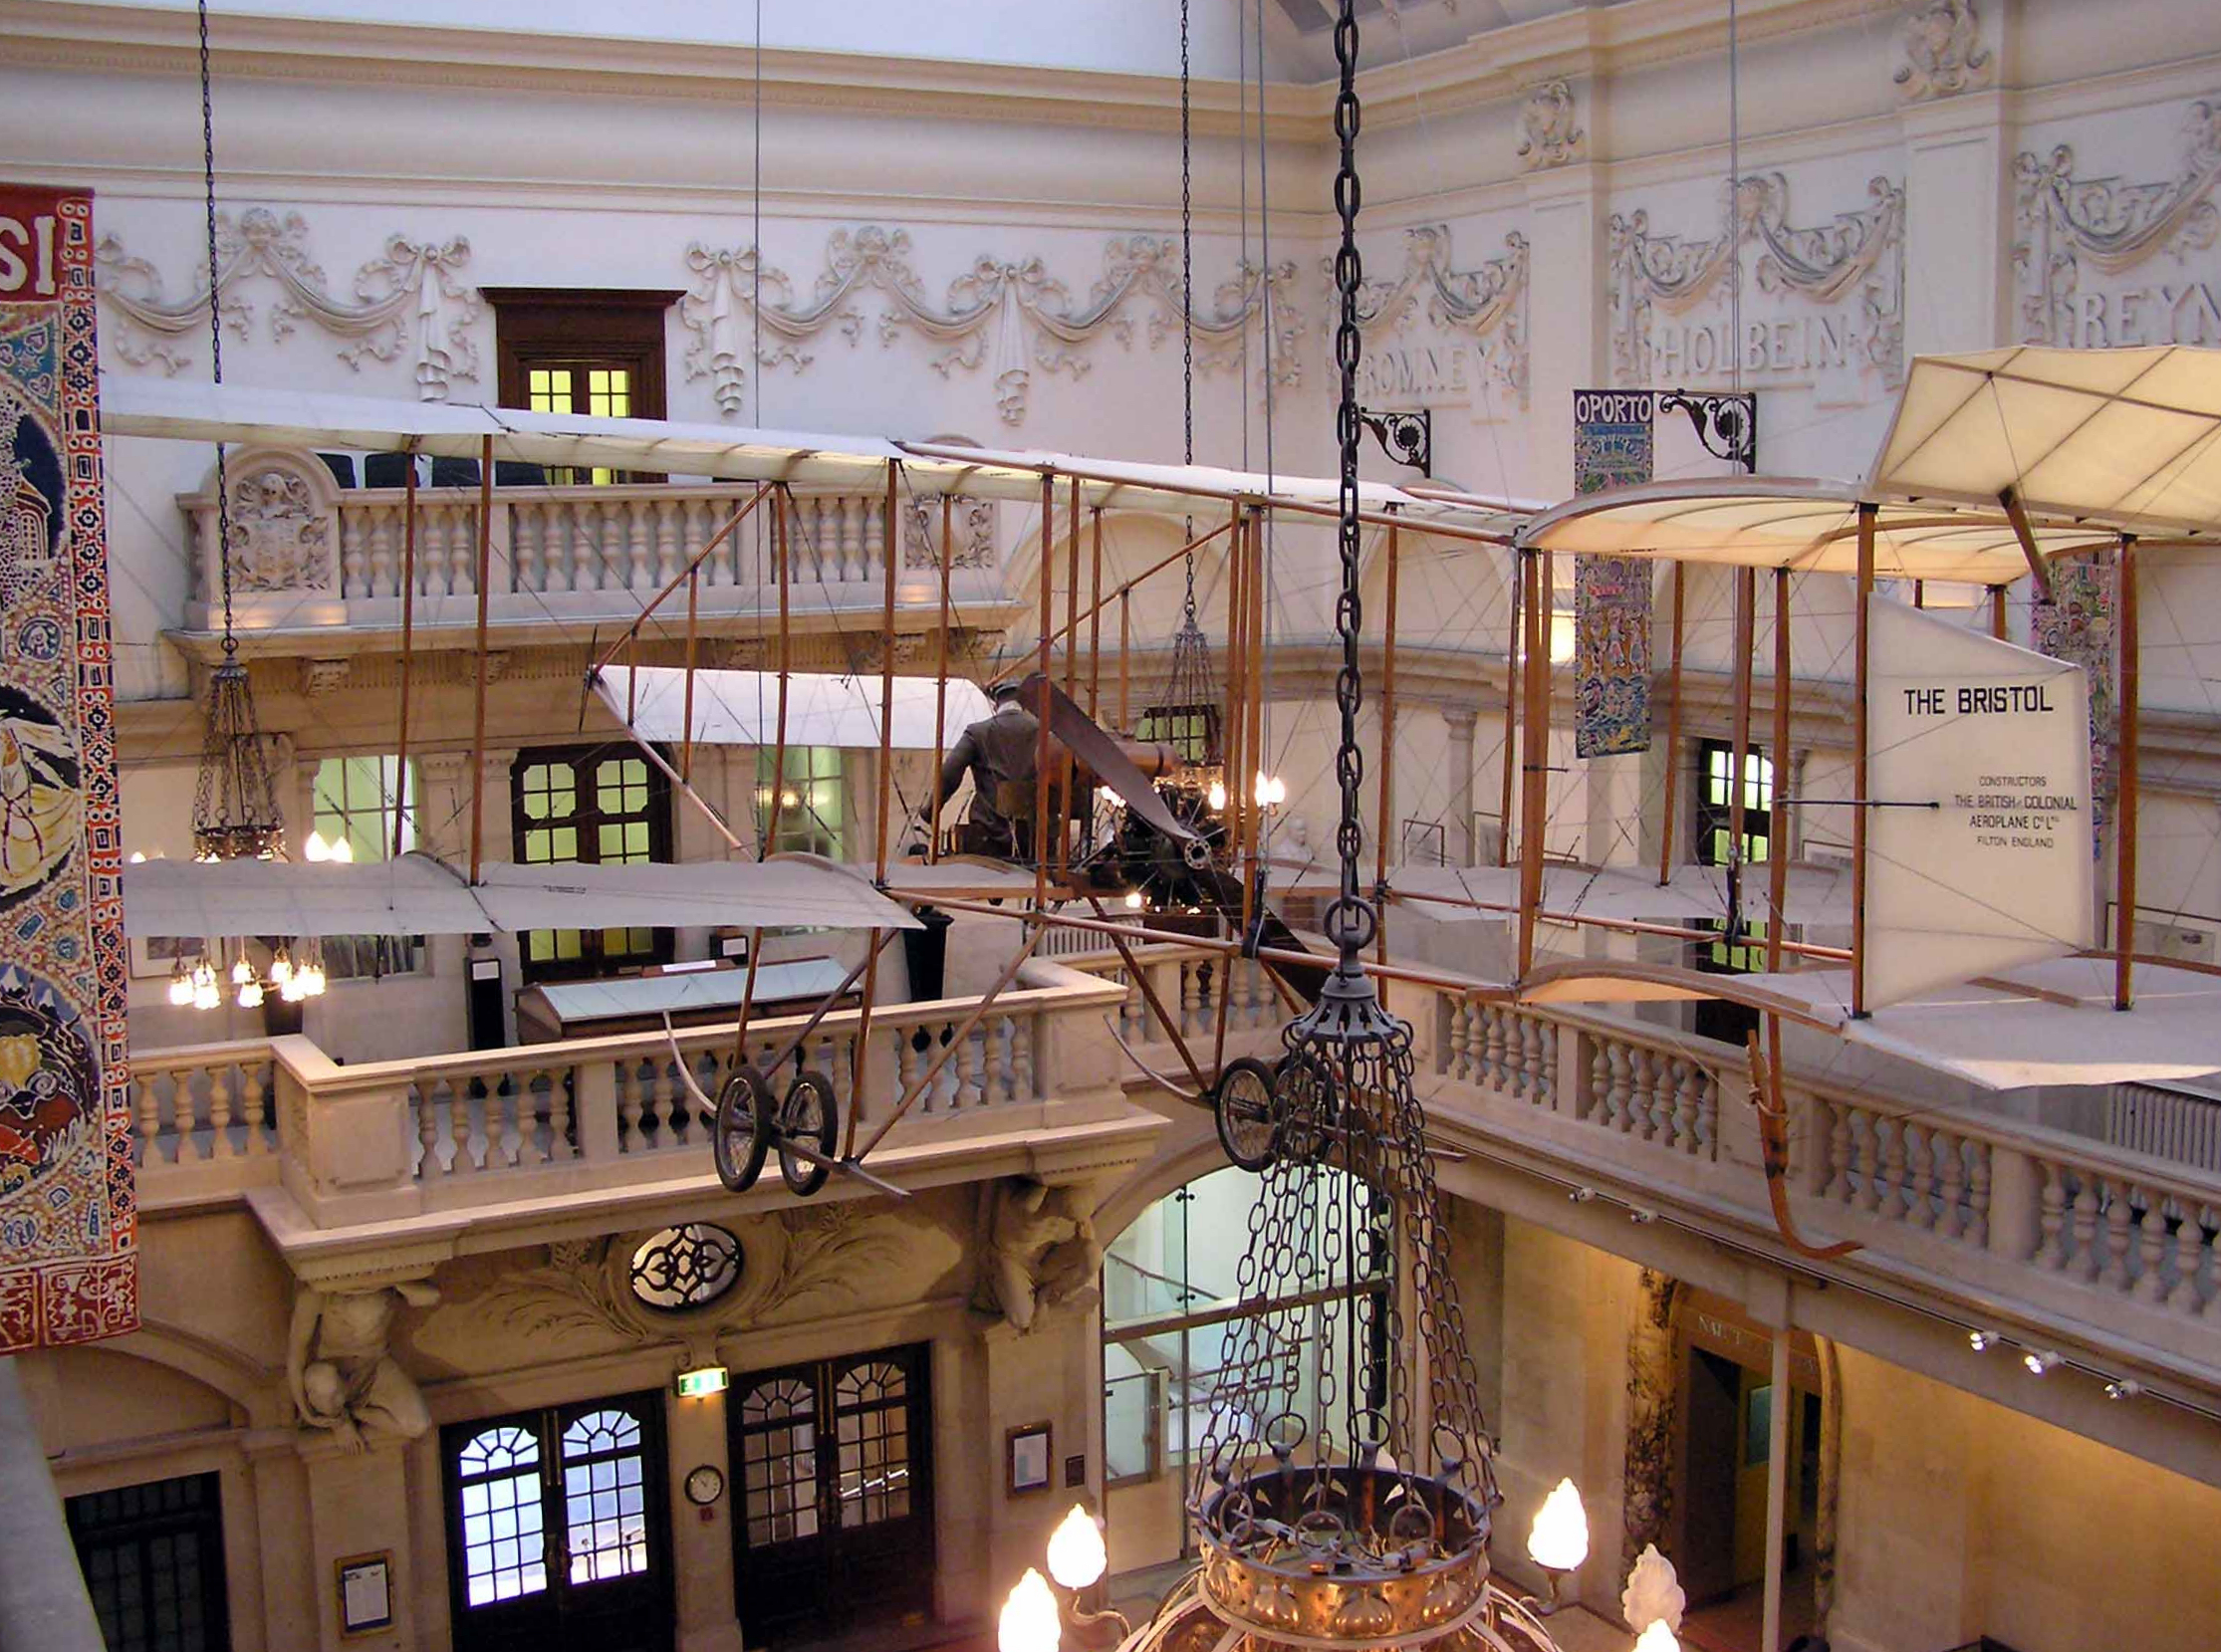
2077, 626
1611, 594
68, 1225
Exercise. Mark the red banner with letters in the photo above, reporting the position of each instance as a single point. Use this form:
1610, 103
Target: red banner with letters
68, 1224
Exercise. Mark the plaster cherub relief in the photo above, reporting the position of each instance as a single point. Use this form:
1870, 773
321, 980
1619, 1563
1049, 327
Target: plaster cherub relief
342, 1376
1041, 1249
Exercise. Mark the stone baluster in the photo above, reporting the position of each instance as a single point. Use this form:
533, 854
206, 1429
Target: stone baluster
670, 550
1977, 1232
2152, 1250
2212, 1309
528, 545
629, 1108
1492, 1046
909, 1062
254, 1110
355, 554
2118, 1215
1896, 1202
1455, 1058
2191, 1245
458, 1127
970, 1066
1534, 1055
1948, 1153
1837, 1190
428, 1164
1192, 995
1619, 1094
149, 1119
527, 1105
2051, 1248
432, 550
1870, 1160
1683, 1124
642, 571
2086, 1261
369, 526
1024, 1084
219, 1112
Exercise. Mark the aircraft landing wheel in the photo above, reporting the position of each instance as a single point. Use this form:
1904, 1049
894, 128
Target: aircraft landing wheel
1242, 1104
1308, 1109
808, 1115
741, 1134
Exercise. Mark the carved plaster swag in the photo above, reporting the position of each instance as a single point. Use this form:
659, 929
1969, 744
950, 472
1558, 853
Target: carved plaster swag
1487, 302
1012, 314
1860, 255
411, 297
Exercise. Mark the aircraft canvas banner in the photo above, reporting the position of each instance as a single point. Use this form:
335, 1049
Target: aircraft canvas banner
1977, 833
67, 1211
1613, 447
2077, 626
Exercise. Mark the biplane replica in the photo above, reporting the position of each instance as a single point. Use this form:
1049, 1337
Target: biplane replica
1969, 900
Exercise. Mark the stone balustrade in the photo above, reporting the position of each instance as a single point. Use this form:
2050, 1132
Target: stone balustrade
383, 1139
305, 551
1189, 983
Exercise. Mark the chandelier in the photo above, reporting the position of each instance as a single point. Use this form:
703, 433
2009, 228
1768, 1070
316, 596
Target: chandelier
1342, 1501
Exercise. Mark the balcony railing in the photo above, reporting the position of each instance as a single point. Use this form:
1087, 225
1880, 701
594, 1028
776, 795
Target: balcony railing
308, 551
388, 1138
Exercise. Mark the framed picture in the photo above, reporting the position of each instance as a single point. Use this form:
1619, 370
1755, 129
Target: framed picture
366, 1593
156, 955
1030, 1457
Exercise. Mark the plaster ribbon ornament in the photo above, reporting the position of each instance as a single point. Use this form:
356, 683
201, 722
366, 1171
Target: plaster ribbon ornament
1852, 266
1943, 51
2062, 223
1549, 134
68, 1203
412, 300
1008, 315
340, 1371
1486, 304
1613, 448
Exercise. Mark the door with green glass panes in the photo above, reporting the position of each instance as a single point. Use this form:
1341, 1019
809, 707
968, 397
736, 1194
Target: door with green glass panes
603, 806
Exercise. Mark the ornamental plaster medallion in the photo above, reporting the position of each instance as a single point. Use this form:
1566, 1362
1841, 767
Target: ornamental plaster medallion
412, 299
281, 532
1004, 315
1549, 134
1943, 52
2068, 230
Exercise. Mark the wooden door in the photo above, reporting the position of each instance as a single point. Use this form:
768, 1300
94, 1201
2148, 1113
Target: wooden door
834, 1526
558, 1532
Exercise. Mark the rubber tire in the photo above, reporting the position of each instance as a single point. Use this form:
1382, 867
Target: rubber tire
743, 1112
800, 1176
1249, 1141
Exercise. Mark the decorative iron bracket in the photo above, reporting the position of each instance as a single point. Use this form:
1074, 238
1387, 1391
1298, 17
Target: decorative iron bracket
1407, 439
1727, 425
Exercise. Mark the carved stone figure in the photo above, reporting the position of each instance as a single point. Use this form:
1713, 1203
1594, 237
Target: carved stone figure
342, 1376
1549, 136
1944, 50
1041, 1249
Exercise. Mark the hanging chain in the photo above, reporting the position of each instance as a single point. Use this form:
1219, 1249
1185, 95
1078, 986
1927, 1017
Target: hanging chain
216, 328
1187, 290
1349, 277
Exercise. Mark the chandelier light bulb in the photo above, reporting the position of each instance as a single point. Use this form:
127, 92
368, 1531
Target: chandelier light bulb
316, 848
1077, 1556
1658, 1638
180, 985
241, 971
206, 996
1560, 1538
1134, 900
342, 851
1029, 1621
250, 995
312, 985
1216, 796
139, 858
281, 967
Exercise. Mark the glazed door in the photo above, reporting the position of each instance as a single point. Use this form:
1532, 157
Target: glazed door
558, 1536
835, 1527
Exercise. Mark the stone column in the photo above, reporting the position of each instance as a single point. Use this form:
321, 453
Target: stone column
1653, 1397
1458, 840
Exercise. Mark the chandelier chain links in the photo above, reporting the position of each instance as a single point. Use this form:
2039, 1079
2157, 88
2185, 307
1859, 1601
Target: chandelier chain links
215, 323
1349, 680
1187, 288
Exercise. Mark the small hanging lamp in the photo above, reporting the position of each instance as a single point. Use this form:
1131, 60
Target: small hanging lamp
235, 803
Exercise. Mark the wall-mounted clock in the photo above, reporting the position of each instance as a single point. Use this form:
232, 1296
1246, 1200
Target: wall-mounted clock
705, 1485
